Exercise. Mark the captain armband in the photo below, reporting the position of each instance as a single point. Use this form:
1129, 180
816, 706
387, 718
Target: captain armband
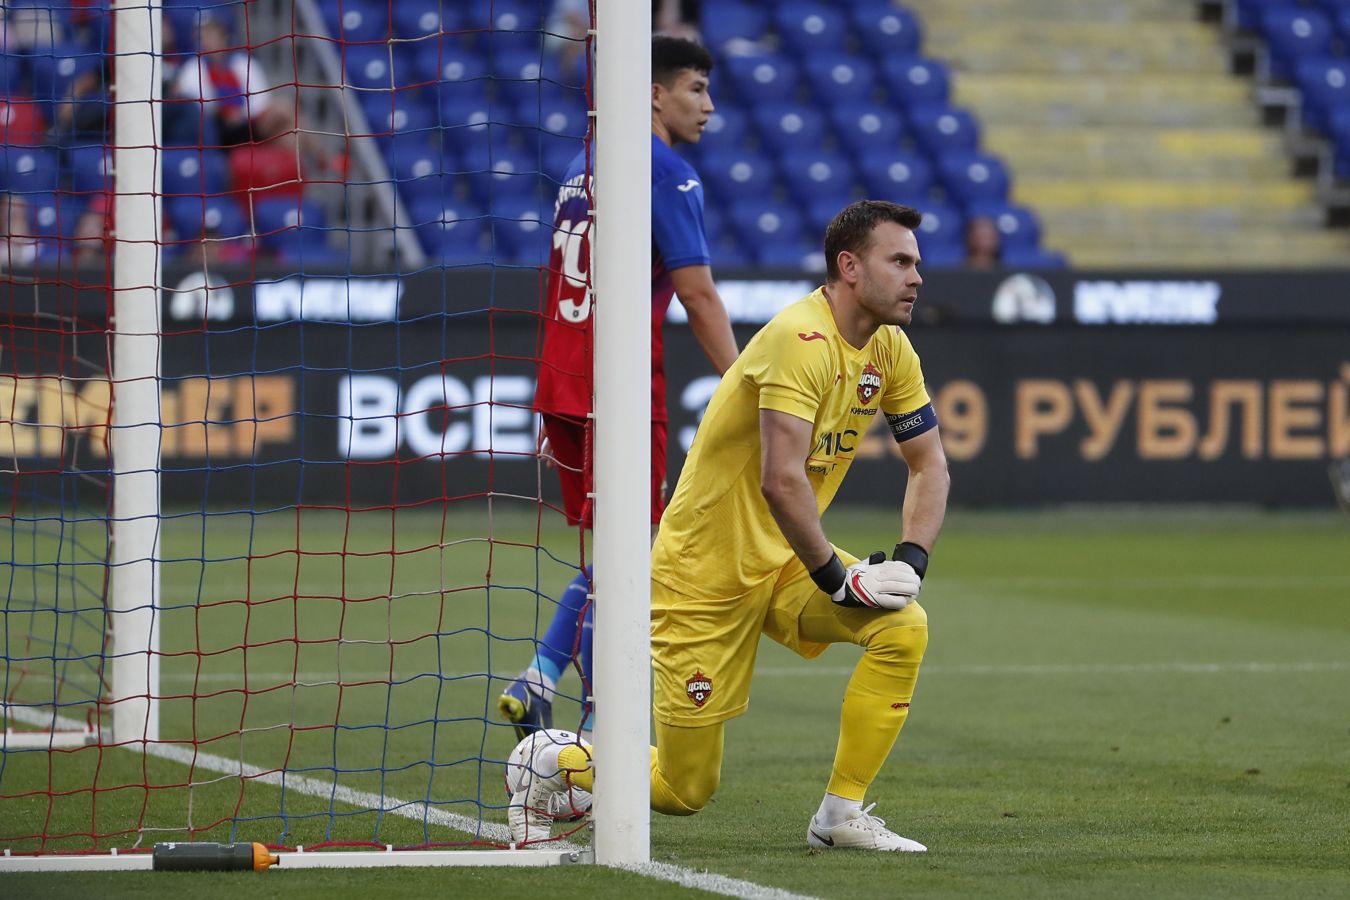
912, 424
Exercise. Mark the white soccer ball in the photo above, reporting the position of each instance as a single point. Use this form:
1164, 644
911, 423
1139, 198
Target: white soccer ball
563, 806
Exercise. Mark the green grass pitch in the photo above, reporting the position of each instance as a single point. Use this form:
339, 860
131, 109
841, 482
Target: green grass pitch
1114, 704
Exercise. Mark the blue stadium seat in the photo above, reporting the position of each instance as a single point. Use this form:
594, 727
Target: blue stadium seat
448, 60
1339, 126
376, 66
939, 129
1325, 84
522, 231
942, 224
191, 217
1018, 227
762, 77
1033, 258
796, 254
310, 250
726, 129
915, 80
818, 174
807, 26
519, 74
941, 254
886, 29
453, 233
355, 21
400, 114
732, 174
729, 21
273, 217
836, 77
53, 70
1342, 20
503, 15
419, 18
30, 170
972, 178
90, 168
862, 126
13, 75
760, 222
818, 215
1293, 33
555, 159
898, 176
506, 174
54, 216
789, 126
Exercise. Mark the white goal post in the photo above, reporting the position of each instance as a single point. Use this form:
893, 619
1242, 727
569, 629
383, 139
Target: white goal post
621, 271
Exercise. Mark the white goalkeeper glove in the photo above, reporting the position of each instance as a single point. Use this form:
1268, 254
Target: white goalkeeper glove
876, 583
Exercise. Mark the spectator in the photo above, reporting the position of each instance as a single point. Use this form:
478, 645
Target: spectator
565, 35
19, 249
983, 243
677, 18
232, 88
82, 114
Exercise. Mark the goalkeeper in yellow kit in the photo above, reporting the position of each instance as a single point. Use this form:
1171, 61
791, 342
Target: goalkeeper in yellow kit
741, 550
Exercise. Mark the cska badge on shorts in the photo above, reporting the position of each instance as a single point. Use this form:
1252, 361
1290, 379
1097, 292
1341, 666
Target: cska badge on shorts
699, 688
869, 384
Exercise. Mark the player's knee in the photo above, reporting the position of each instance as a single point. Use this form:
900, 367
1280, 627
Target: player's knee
899, 643
694, 786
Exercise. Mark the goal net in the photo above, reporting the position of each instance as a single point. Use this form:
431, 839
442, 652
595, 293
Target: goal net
277, 531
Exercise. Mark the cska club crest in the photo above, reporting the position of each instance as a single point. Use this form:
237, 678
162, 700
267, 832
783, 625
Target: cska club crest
869, 385
699, 688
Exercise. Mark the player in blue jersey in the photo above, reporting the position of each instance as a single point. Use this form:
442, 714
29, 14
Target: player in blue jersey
681, 265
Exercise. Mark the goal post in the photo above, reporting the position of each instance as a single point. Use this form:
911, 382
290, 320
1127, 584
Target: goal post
313, 539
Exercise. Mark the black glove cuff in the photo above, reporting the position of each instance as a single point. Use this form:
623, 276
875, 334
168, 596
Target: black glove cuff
830, 577
916, 556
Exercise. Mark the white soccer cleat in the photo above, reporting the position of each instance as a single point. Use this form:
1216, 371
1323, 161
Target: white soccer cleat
862, 832
540, 791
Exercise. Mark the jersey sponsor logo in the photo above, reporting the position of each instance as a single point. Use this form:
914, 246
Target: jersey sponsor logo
699, 687
869, 384
813, 336
899, 706
863, 411
687, 186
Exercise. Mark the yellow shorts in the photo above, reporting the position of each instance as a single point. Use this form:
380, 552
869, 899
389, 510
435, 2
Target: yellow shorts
703, 649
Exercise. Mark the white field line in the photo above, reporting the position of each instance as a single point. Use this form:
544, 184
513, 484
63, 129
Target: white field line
317, 679
413, 809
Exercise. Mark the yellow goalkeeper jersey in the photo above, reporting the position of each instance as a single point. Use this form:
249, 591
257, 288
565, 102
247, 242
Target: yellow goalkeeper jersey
717, 537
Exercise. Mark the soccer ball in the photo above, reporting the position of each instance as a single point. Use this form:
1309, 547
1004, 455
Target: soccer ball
567, 805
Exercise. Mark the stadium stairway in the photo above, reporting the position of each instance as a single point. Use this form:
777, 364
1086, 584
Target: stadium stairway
1128, 134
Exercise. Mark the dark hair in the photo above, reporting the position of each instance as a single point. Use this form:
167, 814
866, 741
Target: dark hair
672, 55
851, 229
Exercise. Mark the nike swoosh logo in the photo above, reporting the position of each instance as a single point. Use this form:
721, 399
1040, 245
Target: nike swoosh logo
828, 842
687, 186
813, 336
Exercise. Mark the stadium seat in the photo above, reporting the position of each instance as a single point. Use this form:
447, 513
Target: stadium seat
762, 77
732, 174
522, 231
54, 216
418, 18
808, 27
817, 175
30, 170
519, 74
972, 178
397, 114
191, 217
53, 71
862, 127
13, 75
731, 21
1342, 20
1325, 86
939, 254
939, 129
726, 129
448, 61
88, 168
896, 175
274, 216
193, 172
356, 21
1033, 258
941, 224
453, 233
1018, 226
1294, 33
376, 66
837, 77
886, 29
502, 15
913, 81
818, 215
760, 222
784, 127
309, 251
505, 174
798, 254
1339, 126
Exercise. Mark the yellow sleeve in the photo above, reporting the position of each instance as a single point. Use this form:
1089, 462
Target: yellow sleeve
791, 374
905, 392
